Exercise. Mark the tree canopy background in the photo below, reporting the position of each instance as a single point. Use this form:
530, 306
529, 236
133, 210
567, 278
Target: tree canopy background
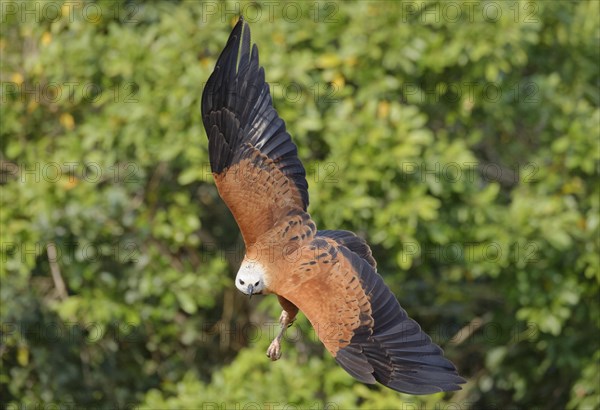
459, 138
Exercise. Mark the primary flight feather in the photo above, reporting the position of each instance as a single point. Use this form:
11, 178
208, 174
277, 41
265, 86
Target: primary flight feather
329, 275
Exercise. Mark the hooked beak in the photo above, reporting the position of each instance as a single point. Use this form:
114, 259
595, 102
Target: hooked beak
250, 291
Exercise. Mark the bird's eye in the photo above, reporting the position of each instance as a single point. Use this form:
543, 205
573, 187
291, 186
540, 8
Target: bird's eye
241, 282
256, 284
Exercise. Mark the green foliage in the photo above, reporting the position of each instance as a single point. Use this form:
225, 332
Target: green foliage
463, 147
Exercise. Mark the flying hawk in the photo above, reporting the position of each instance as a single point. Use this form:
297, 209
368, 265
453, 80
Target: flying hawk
330, 275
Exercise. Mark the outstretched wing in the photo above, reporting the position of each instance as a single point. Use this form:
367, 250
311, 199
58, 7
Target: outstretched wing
361, 323
252, 157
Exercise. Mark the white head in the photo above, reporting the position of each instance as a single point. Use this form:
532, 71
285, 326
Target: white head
250, 279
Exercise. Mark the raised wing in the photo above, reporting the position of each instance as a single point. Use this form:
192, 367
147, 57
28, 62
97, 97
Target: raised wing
361, 323
252, 157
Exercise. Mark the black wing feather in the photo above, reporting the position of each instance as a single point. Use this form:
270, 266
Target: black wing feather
400, 354
237, 110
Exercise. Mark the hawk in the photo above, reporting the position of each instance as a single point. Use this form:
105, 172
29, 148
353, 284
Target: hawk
330, 275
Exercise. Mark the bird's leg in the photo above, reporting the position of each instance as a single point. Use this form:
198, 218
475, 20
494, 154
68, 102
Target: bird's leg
288, 315
274, 350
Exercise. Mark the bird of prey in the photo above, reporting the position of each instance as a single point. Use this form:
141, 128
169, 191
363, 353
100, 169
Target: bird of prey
330, 275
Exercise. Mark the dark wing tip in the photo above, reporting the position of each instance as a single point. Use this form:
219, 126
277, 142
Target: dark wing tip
217, 87
356, 364
402, 356
237, 112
